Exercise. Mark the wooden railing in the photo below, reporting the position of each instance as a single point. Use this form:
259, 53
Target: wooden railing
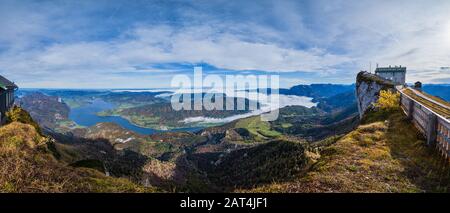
433, 126
443, 138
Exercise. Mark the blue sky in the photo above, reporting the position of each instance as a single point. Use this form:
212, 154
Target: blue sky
142, 44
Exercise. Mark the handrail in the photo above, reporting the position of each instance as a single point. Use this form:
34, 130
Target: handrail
428, 99
417, 102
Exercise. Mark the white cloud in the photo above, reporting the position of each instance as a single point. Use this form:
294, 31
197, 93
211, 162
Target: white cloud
266, 106
165, 44
54, 45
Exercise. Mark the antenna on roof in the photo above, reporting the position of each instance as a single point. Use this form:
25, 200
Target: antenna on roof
370, 66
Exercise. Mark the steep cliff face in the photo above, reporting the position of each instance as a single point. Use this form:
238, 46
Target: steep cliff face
368, 87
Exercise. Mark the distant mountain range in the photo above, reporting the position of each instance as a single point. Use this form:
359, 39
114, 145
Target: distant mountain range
317, 149
440, 90
318, 90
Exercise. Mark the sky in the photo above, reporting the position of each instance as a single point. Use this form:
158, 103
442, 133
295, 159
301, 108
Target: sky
143, 44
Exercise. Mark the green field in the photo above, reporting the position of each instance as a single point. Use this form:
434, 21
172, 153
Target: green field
260, 129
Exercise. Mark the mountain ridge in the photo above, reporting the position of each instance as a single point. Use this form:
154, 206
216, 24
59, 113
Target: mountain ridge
319, 149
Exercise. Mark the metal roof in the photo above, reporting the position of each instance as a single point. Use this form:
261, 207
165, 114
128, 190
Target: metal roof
5, 83
390, 69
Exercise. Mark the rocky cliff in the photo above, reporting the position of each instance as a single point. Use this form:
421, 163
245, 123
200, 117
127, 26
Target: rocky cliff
368, 87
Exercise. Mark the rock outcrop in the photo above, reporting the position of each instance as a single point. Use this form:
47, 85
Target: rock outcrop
368, 87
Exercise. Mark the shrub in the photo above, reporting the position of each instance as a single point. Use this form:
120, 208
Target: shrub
388, 100
17, 114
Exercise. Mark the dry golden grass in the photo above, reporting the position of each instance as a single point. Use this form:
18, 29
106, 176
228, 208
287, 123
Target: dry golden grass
27, 165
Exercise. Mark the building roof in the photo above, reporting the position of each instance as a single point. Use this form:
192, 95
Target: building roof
391, 69
5, 83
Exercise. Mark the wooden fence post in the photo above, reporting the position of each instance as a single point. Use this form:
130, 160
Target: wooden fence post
431, 129
411, 110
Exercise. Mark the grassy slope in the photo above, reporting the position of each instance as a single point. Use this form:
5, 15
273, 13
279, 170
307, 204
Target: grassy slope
259, 129
247, 168
384, 154
28, 164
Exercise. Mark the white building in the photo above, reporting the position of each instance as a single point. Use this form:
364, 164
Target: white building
395, 74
